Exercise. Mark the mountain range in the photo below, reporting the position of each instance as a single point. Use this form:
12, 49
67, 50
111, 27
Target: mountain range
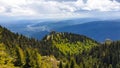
94, 28
98, 30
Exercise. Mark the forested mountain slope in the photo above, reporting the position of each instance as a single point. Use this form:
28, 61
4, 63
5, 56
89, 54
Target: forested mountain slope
69, 43
57, 50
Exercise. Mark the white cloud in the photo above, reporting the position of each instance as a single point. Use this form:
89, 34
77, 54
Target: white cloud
37, 28
102, 5
2, 9
14, 7
54, 8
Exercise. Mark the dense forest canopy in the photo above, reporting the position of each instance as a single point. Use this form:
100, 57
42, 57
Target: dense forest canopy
57, 50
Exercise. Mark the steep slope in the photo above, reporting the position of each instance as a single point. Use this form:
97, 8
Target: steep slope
22, 52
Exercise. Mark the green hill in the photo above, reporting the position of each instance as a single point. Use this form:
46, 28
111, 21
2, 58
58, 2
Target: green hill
56, 50
68, 44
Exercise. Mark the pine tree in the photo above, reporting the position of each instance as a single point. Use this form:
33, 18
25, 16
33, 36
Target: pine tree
60, 65
72, 65
67, 65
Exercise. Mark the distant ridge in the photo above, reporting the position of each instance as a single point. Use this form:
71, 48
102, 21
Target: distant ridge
98, 30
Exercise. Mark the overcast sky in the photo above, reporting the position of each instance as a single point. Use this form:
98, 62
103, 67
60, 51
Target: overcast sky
58, 8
